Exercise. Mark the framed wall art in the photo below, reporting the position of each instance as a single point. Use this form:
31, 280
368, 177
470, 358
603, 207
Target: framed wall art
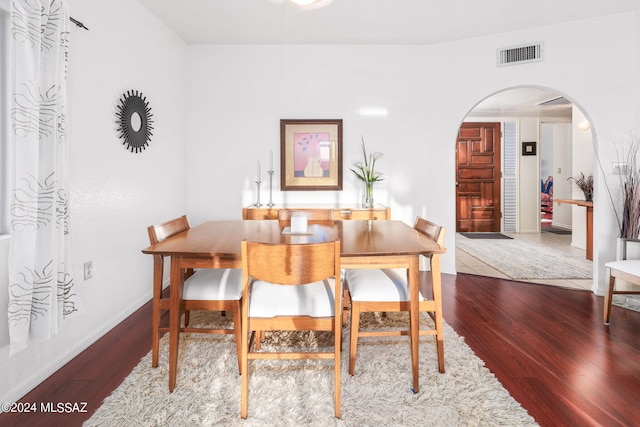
529, 148
311, 155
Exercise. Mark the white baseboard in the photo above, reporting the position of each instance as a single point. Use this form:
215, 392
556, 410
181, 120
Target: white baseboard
563, 226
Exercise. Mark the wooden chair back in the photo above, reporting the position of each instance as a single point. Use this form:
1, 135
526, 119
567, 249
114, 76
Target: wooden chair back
433, 231
291, 264
157, 234
160, 232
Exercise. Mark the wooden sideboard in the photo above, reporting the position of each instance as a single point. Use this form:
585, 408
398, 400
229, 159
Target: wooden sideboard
339, 211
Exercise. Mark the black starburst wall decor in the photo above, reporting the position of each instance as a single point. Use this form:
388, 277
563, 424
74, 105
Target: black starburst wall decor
134, 121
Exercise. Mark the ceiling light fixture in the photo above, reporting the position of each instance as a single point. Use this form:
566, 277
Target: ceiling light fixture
584, 125
373, 111
311, 3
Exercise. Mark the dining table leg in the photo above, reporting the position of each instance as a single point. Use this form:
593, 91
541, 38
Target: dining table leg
177, 279
436, 280
414, 320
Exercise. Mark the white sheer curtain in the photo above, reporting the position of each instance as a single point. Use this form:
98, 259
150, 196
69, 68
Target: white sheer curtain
42, 289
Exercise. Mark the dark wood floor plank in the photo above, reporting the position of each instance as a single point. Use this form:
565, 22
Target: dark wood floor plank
547, 346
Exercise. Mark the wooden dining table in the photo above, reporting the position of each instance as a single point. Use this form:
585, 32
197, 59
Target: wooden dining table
364, 244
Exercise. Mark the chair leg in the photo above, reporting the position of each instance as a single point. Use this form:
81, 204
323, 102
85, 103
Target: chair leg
259, 337
608, 299
155, 334
244, 369
353, 338
336, 364
440, 347
436, 293
438, 324
346, 298
186, 318
237, 330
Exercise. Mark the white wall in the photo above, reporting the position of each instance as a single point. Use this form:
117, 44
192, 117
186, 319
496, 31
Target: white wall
529, 178
219, 112
547, 157
563, 148
556, 153
582, 161
115, 194
239, 94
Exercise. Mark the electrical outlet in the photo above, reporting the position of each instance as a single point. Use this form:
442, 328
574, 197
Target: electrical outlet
88, 270
620, 168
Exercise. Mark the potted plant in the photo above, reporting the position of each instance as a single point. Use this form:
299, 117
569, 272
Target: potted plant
365, 171
584, 183
630, 185
626, 201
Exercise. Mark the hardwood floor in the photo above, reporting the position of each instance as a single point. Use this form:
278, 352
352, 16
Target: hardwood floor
546, 345
549, 347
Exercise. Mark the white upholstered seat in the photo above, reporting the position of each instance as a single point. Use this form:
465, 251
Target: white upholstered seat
377, 284
623, 269
629, 266
214, 284
270, 300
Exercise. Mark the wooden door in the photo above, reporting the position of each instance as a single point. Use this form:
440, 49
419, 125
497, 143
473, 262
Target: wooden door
478, 177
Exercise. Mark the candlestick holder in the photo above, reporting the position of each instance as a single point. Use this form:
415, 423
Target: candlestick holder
258, 204
271, 204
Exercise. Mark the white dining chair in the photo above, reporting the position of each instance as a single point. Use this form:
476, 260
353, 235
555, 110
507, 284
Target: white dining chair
387, 290
214, 289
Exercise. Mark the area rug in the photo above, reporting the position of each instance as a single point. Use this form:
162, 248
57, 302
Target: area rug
297, 393
555, 230
521, 260
486, 236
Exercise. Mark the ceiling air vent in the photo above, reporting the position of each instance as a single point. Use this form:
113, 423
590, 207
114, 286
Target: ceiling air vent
520, 54
559, 100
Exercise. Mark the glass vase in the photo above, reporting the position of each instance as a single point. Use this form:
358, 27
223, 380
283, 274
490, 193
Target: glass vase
367, 195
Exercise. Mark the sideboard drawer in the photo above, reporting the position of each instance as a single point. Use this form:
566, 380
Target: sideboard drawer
259, 213
362, 213
338, 213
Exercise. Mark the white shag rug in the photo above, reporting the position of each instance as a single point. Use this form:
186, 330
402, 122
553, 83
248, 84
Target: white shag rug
522, 260
296, 393
630, 302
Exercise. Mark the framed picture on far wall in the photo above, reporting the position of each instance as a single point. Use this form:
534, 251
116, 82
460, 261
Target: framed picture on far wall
311, 154
529, 148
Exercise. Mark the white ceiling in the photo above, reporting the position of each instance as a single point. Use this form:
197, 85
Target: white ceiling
381, 22
522, 102
367, 21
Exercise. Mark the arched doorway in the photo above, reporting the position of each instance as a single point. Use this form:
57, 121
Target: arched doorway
543, 141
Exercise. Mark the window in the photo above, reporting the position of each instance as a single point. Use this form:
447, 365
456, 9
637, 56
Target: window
4, 116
